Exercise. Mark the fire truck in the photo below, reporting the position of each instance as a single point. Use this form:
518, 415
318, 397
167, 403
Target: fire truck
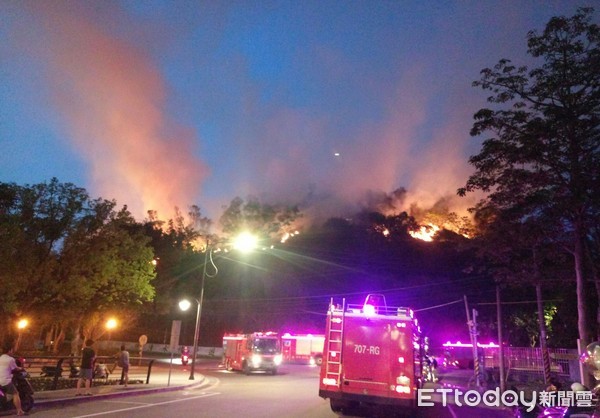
302, 348
259, 351
373, 356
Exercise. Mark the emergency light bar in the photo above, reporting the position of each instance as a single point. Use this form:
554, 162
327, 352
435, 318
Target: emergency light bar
265, 334
233, 337
237, 337
373, 303
459, 344
289, 336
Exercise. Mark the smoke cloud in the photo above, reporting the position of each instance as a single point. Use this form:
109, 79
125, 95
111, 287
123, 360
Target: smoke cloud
112, 100
180, 103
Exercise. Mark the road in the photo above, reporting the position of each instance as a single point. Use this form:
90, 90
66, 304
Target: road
293, 393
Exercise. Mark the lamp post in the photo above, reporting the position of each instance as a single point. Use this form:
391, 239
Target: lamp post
110, 325
184, 305
21, 325
245, 242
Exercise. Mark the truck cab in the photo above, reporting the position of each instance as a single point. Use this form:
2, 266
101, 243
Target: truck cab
258, 351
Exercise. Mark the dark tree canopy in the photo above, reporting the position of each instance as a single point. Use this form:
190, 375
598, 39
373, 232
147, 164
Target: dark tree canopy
540, 159
65, 257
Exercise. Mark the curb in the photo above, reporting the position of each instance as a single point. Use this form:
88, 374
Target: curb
109, 395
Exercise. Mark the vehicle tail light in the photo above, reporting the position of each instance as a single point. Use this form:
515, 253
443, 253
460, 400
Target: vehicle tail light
403, 384
402, 389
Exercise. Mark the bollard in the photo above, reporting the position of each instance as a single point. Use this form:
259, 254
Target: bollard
149, 370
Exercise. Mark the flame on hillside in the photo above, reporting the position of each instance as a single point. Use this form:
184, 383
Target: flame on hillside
425, 233
288, 235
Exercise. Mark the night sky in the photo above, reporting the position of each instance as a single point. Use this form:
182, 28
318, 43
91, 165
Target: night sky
320, 103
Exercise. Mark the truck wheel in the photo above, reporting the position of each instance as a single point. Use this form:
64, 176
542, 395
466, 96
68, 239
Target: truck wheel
344, 407
336, 405
245, 368
318, 360
274, 371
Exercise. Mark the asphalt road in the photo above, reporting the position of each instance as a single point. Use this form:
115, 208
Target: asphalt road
293, 393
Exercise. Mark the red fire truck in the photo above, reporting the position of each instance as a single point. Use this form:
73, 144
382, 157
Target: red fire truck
373, 356
302, 348
259, 351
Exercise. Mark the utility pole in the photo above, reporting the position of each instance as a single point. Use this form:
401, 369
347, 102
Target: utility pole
542, 324
500, 345
476, 365
472, 324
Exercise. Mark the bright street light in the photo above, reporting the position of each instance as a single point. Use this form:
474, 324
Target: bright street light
184, 305
110, 325
21, 325
245, 242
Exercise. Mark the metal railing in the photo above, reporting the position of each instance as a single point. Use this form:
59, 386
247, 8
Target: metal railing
530, 358
105, 369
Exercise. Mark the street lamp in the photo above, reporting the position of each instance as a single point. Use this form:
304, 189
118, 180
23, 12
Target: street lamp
110, 325
21, 325
244, 242
184, 305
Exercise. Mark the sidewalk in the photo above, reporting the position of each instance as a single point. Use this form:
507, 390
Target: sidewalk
160, 381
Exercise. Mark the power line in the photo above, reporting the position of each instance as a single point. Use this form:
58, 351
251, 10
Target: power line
438, 306
518, 302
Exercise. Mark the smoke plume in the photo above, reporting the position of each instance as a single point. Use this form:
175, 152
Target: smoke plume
112, 100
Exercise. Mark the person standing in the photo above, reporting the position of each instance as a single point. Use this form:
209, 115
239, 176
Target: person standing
86, 372
7, 365
123, 362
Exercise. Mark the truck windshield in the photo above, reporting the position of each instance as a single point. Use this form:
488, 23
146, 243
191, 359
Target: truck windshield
266, 345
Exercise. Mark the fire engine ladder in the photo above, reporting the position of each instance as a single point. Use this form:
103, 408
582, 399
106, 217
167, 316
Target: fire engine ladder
335, 341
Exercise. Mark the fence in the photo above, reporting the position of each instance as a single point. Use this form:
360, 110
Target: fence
61, 372
562, 361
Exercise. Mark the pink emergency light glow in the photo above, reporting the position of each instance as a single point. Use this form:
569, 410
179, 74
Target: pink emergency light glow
373, 303
459, 344
289, 336
369, 310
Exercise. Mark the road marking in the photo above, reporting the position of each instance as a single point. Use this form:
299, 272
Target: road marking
148, 405
127, 402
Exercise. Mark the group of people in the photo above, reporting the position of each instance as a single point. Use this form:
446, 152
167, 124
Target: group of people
8, 365
88, 359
